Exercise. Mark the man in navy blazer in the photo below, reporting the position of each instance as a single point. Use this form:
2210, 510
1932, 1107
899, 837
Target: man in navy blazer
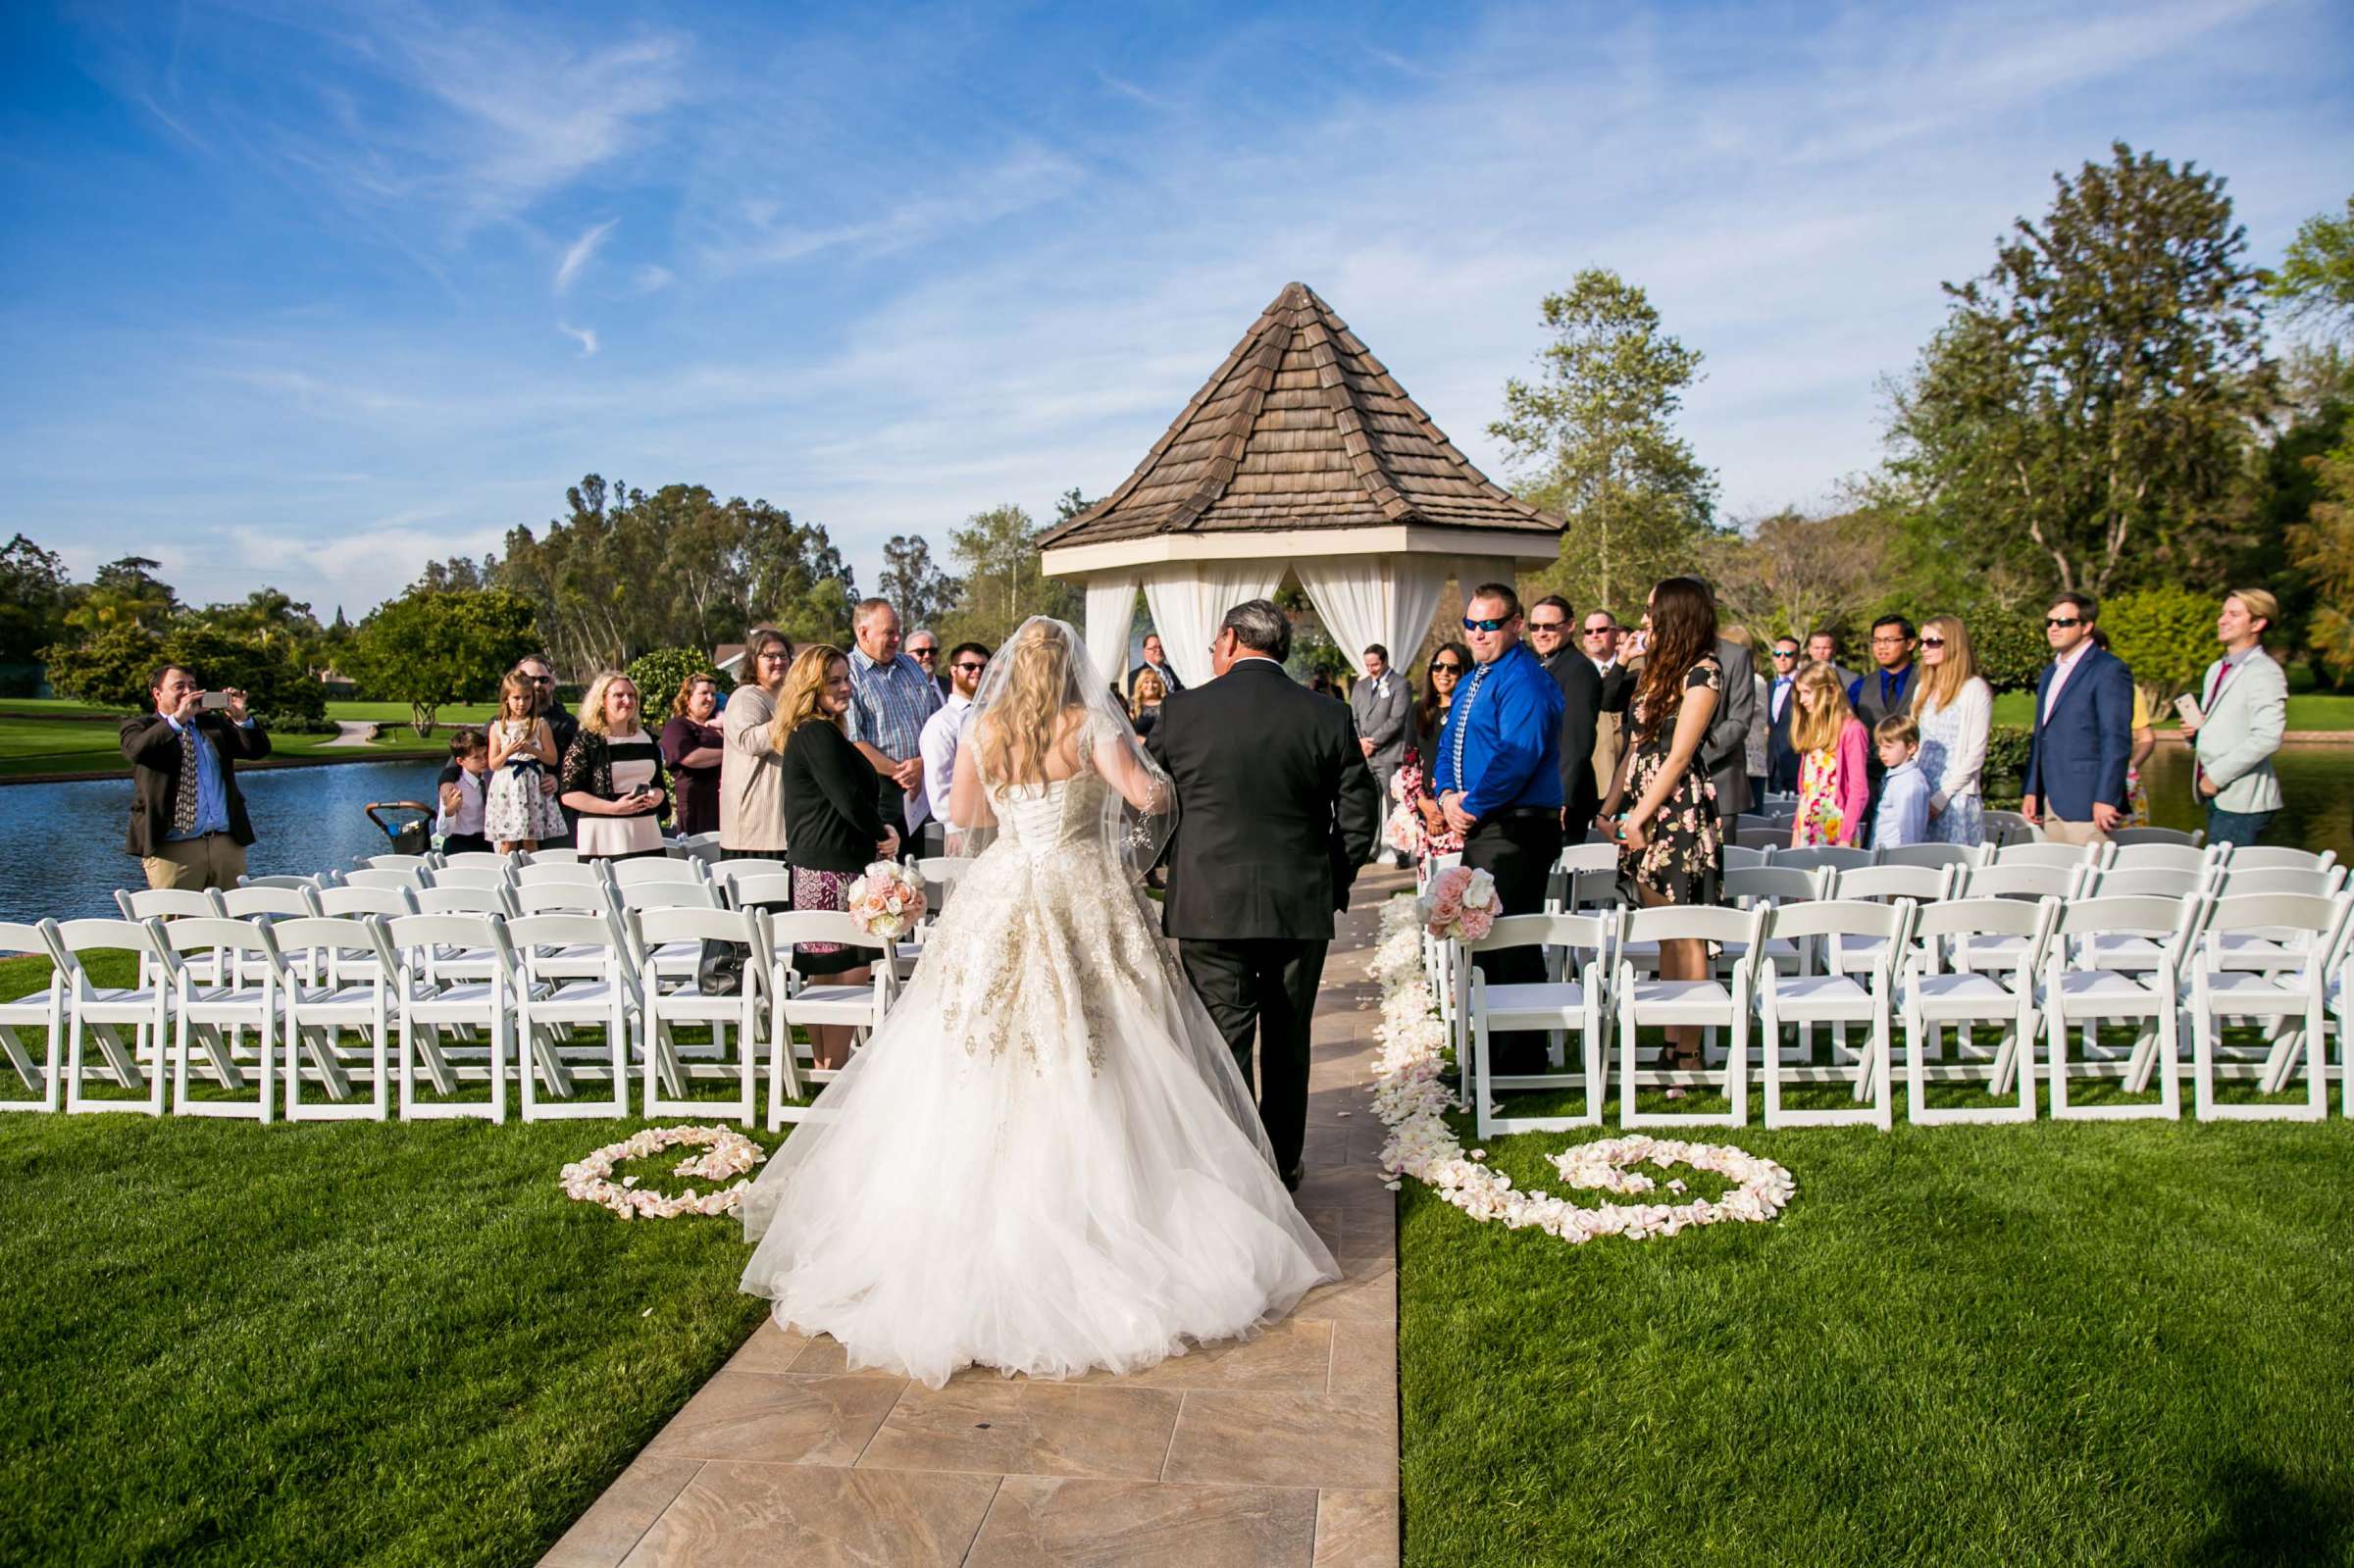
2084, 730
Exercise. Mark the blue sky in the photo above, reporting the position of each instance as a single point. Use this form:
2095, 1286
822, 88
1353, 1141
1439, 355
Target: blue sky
308, 293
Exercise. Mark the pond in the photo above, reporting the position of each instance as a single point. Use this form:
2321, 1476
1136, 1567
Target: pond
61, 845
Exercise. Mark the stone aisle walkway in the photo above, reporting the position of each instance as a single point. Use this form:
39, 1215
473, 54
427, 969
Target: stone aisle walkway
1279, 1450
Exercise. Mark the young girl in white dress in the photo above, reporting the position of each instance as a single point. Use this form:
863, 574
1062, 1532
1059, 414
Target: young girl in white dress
517, 811
1046, 1160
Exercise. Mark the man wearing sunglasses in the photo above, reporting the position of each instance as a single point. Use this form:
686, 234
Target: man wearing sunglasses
2083, 731
1499, 781
1782, 757
1550, 628
944, 733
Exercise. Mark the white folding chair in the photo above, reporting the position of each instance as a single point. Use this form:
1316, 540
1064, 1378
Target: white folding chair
2003, 829
1762, 837
471, 876
1574, 861
628, 874
1707, 1003
410, 878
654, 931
1936, 857
661, 892
44, 1010
1837, 857
2080, 989
1570, 1006
2295, 1003
701, 847
1974, 961
96, 1010
425, 1010
347, 985
2283, 950
325, 879
399, 862
594, 897
553, 857
485, 860
798, 999
342, 902
2273, 857
1859, 954
216, 1015
2062, 857
547, 1004
2130, 837
2162, 857
1833, 997
542, 871
172, 904
253, 901
726, 873
1769, 884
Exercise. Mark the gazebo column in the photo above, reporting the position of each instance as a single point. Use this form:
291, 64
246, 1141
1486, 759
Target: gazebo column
1188, 598
1111, 613
1387, 599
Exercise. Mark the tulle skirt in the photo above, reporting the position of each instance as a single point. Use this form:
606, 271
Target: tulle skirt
1045, 1162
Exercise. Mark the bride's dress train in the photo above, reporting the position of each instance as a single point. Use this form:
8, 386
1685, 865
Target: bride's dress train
1046, 1160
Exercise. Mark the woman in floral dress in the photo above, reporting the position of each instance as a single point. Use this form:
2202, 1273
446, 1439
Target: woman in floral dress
1670, 843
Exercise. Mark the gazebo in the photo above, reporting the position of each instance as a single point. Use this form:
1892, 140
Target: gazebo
1300, 455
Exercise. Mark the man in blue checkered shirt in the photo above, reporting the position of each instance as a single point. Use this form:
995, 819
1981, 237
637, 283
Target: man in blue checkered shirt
891, 697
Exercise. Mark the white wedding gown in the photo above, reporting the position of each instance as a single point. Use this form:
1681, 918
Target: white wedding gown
1046, 1160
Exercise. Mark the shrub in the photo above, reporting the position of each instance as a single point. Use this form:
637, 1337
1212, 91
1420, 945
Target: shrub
2009, 648
2006, 760
660, 672
112, 670
2166, 636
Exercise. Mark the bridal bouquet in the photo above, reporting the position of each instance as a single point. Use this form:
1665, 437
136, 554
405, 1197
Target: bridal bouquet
886, 900
1461, 905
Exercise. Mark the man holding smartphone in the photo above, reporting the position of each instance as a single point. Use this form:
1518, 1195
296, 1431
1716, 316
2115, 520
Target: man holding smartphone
188, 818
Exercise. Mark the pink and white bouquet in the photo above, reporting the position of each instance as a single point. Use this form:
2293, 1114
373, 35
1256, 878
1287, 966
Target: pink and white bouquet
1461, 905
1404, 829
887, 901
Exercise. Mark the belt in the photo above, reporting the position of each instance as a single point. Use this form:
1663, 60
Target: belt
1522, 813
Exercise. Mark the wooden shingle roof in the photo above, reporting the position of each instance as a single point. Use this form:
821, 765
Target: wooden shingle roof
1301, 428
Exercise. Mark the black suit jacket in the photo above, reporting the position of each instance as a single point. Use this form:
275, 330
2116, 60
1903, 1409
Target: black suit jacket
1276, 808
152, 747
1782, 757
1581, 708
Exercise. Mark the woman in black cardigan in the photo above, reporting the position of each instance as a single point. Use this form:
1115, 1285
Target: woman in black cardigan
833, 825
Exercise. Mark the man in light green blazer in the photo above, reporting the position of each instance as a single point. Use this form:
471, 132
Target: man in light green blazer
2243, 710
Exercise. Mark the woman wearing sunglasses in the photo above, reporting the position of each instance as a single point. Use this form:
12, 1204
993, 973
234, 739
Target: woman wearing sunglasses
1955, 709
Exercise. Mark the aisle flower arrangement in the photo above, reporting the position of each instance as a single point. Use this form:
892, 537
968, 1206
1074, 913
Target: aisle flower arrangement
726, 1153
1412, 1102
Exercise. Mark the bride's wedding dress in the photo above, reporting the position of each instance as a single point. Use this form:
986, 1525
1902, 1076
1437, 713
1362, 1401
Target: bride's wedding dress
1046, 1161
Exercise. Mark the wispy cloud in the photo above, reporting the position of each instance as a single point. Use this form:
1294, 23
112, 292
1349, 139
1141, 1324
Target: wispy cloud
1028, 178
1130, 90
650, 278
585, 336
583, 251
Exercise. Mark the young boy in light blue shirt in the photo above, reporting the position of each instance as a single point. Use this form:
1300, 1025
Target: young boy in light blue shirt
1903, 817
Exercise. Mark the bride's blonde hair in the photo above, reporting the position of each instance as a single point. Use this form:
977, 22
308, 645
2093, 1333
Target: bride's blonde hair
1025, 719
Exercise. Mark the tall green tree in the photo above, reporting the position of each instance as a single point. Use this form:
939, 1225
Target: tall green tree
997, 551
915, 586
2090, 402
429, 648
32, 599
1594, 438
124, 593
2316, 279
2324, 547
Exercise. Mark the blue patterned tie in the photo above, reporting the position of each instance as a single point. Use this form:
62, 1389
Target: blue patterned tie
1463, 725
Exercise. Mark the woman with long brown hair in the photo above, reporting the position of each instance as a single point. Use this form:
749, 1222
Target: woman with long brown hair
1670, 845
833, 824
1955, 709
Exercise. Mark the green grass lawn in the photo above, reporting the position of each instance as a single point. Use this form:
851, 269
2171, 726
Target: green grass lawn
2048, 1344
353, 1343
45, 737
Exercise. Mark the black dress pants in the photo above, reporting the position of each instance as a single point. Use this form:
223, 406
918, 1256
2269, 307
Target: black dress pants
1265, 987
1518, 850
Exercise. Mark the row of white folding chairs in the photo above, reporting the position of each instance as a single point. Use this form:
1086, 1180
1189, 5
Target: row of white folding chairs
2126, 957
700, 847
530, 979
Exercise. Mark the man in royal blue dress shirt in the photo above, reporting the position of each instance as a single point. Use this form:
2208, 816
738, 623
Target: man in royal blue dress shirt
1498, 779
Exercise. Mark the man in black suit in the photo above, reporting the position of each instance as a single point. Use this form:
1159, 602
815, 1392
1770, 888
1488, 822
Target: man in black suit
1782, 758
1276, 810
1157, 661
189, 824
1552, 639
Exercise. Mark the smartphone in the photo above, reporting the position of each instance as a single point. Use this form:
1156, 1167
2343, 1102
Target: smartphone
2188, 707
213, 700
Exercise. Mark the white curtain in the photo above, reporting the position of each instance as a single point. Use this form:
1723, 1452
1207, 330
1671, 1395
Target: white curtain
1387, 599
1110, 612
1188, 599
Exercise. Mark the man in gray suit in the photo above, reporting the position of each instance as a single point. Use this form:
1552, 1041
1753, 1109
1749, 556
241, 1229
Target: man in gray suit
1383, 702
1726, 751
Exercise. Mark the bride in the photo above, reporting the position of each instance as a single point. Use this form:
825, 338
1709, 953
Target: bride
1046, 1160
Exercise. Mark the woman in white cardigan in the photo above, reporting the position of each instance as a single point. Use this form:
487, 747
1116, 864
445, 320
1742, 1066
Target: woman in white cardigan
1954, 708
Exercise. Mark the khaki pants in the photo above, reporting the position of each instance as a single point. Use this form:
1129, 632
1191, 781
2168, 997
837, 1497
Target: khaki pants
215, 860
2072, 833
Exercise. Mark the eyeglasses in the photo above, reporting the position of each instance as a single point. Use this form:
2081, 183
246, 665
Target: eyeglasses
1551, 628
1932, 642
1599, 631
2062, 620
924, 653
969, 668
1785, 653
1446, 669
1490, 624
